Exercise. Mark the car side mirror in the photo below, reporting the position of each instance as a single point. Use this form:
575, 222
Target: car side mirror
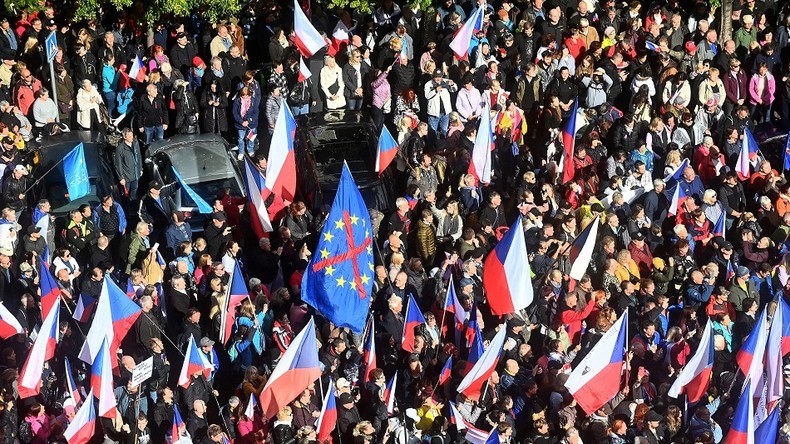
148, 161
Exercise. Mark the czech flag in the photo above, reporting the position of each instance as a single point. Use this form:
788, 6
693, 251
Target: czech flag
747, 156
82, 428
115, 316
259, 214
446, 372
50, 292
297, 369
249, 410
304, 72
582, 249
730, 273
388, 149
750, 356
42, 351
463, 37
307, 38
178, 431
480, 166
472, 383
507, 276
340, 36
569, 144
453, 305
785, 326
742, 427
493, 437
194, 361
767, 431
74, 395
694, 379
137, 70
281, 174
773, 359
369, 354
414, 318
473, 434
470, 331
596, 380
130, 290
476, 350
237, 292
85, 304
101, 381
328, 419
389, 393
786, 157
678, 197
675, 176
720, 228
652, 46
9, 325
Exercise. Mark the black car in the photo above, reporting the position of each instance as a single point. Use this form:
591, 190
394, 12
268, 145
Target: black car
204, 163
52, 184
771, 142
322, 143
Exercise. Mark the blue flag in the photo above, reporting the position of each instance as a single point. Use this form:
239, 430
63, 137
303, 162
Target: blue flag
202, 205
75, 170
339, 279
787, 154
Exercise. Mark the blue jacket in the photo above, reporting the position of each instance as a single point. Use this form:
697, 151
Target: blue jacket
251, 118
697, 295
174, 236
121, 216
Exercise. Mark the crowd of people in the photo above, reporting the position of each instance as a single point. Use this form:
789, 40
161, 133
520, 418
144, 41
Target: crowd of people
661, 104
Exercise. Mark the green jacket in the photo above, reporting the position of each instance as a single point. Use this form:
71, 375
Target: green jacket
137, 252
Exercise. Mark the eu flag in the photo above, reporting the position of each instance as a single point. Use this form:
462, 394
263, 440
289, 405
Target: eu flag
75, 171
787, 154
339, 279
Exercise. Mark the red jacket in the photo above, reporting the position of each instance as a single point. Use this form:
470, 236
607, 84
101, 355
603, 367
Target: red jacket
642, 257
572, 320
712, 309
734, 86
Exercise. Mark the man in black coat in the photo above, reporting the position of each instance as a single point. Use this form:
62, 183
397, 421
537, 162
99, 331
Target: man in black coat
14, 189
197, 424
217, 234
157, 209
347, 415
182, 53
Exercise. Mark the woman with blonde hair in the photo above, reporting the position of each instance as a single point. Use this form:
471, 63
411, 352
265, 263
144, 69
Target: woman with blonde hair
673, 161
711, 90
585, 68
85, 37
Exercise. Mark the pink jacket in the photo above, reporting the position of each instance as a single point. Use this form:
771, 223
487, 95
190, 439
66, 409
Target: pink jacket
381, 90
768, 91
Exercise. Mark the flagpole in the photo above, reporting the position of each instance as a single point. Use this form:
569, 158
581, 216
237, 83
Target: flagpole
441, 324
45, 174
436, 386
76, 324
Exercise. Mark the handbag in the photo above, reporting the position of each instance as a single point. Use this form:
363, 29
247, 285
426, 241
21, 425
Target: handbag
65, 108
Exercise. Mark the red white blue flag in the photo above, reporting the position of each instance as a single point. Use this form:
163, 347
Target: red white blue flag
507, 276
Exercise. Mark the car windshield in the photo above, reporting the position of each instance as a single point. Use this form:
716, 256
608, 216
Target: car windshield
57, 194
209, 190
202, 161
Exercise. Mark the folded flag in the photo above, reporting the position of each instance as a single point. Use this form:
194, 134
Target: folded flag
389, 394
194, 362
480, 164
259, 214
328, 418
472, 384
50, 292
304, 71
307, 38
102, 381
742, 427
83, 426
115, 316
281, 172
413, 319
137, 70
9, 325
747, 156
694, 379
463, 37
750, 357
29, 382
75, 170
569, 144
84, 309
369, 354
446, 372
178, 431
473, 434
387, 150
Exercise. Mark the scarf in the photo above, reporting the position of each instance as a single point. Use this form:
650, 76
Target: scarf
218, 72
246, 102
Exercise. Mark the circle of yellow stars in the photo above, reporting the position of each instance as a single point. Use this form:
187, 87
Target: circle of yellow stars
330, 270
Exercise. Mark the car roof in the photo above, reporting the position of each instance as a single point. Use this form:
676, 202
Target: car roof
197, 158
333, 118
52, 149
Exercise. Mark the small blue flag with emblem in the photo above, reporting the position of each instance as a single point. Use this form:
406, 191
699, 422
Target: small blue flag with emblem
75, 170
787, 154
201, 204
339, 279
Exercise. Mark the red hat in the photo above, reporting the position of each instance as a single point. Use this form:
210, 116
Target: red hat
690, 46
197, 61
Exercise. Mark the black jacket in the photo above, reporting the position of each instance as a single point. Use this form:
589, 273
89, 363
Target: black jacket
12, 188
152, 112
157, 214
128, 161
181, 58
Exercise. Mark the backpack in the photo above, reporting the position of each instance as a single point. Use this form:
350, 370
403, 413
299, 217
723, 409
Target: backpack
25, 432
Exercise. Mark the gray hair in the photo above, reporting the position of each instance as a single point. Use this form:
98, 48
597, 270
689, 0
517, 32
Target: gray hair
658, 183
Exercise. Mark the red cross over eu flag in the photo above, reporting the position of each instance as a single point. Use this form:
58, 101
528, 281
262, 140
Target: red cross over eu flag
339, 279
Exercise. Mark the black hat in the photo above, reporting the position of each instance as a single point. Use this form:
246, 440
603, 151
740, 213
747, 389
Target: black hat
33, 229
515, 322
218, 216
155, 185
346, 398
726, 245
438, 73
596, 207
653, 416
638, 236
49, 22
181, 35
8, 141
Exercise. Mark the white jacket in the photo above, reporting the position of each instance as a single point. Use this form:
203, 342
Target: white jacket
433, 97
